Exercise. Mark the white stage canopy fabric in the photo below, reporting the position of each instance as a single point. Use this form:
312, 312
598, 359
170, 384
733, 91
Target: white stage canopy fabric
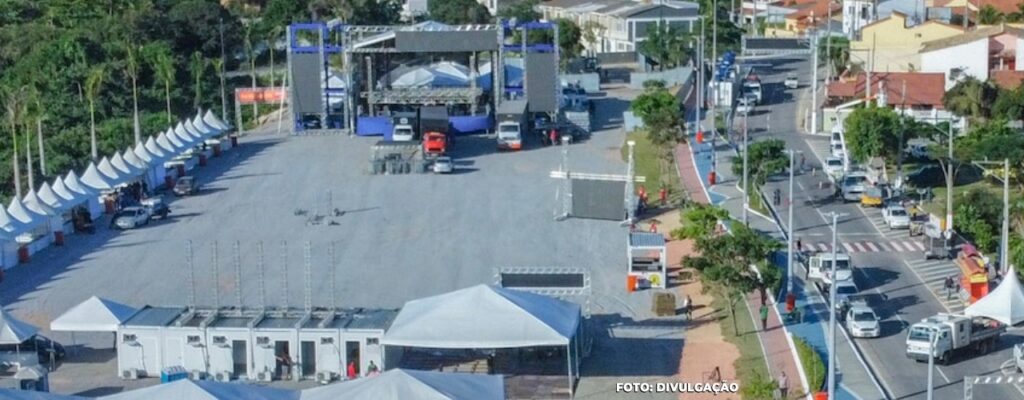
484, 317
14, 394
13, 330
204, 390
9, 226
93, 315
34, 204
399, 384
1004, 304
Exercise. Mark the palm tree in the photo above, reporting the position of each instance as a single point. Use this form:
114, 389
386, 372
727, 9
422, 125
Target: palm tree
970, 97
15, 107
163, 64
989, 15
93, 83
131, 69
198, 68
272, 36
251, 55
218, 67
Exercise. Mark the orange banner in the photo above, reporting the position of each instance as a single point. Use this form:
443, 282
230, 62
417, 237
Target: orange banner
259, 95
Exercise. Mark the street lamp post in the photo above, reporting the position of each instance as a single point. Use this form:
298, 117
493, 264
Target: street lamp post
949, 180
814, 80
746, 187
931, 362
832, 313
790, 296
1004, 240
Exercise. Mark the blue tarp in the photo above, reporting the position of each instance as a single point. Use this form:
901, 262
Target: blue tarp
374, 126
470, 123
461, 125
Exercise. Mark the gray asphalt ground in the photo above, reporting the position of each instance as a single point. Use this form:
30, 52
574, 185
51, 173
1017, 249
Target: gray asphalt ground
907, 299
399, 238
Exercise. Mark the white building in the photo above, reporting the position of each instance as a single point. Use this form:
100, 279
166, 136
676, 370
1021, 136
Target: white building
618, 25
978, 54
856, 14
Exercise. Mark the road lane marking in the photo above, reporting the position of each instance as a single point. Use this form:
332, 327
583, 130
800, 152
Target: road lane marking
871, 246
849, 249
895, 245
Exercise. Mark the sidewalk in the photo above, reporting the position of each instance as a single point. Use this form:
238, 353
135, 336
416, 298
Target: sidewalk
776, 343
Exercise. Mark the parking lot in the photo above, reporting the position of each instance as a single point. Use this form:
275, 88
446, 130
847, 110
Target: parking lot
397, 237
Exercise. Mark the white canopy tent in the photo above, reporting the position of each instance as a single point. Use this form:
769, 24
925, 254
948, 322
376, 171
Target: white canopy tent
11, 226
204, 390
93, 179
34, 204
205, 129
1004, 304
55, 201
15, 394
73, 184
130, 172
488, 317
17, 210
167, 146
95, 314
184, 137
213, 121
13, 330
179, 145
115, 176
159, 154
400, 384
192, 130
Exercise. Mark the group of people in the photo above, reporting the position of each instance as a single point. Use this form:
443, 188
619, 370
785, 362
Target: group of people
285, 364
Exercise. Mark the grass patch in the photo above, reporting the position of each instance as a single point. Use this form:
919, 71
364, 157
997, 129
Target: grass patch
650, 165
812, 364
751, 366
756, 202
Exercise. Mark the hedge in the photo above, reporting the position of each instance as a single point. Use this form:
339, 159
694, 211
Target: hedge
812, 364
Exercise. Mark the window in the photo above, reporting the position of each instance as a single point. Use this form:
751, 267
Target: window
372, 341
129, 338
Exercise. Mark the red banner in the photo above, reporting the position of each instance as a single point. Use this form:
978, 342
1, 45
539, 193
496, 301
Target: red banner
259, 95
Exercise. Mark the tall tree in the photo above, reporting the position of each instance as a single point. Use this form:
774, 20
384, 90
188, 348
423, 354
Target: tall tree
872, 132
197, 67
15, 106
458, 12
163, 65
989, 15
765, 158
131, 70
218, 68
970, 97
93, 84
699, 220
250, 55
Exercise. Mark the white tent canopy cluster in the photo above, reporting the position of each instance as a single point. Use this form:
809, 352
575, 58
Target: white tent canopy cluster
141, 161
449, 74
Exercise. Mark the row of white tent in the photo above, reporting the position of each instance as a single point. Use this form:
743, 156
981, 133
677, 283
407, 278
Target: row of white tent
396, 384
143, 162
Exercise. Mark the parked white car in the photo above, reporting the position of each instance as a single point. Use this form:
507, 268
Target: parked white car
131, 217
792, 82
844, 290
836, 139
896, 217
443, 165
744, 105
853, 185
834, 167
862, 322
838, 150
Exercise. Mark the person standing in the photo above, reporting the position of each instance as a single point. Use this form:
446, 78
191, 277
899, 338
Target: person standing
689, 308
949, 287
554, 137
783, 382
351, 372
764, 317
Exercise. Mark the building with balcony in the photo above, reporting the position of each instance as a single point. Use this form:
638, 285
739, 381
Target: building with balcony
618, 25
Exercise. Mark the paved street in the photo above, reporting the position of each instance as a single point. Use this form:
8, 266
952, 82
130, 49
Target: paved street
890, 265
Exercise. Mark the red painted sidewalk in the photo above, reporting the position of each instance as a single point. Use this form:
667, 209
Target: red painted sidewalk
779, 355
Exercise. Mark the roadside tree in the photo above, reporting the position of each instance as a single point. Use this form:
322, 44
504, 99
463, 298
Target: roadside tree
765, 158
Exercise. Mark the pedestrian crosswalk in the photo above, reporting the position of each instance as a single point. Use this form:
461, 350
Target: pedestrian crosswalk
874, 215
895, 245
934, 273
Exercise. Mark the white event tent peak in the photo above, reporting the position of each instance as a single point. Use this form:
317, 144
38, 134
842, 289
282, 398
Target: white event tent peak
10, 226
13, 330
95, 314
203, 127
173, 138
165, 143
52, 199
34, 204
133, 160
144, 155
183, 135
484, 317
401, 384
18, 211
112, 176
1004, 304
211, 119
155, 150
191, 129
93, 179
204, 390
75, 185
128, 171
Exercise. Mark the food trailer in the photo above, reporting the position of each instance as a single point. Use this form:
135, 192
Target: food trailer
646, 261
973, 274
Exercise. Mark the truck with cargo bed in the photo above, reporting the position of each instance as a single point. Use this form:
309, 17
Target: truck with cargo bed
819, 268
436, 130
952, 335
512, 117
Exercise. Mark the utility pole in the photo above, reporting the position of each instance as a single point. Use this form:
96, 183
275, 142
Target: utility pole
814, 86
1004, 247
746, 152
949, 181
223, 61
899, 151
832, 312
931, 363
790, 296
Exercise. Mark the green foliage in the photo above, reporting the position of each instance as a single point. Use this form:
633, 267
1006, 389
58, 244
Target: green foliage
569, 35
812, 364
1009, 104
971, 97
978, 214
458, 12
759, 388
666, 47
522, 11
989, 15
873, 132
699, 220
840, 51
660, 111
766, 158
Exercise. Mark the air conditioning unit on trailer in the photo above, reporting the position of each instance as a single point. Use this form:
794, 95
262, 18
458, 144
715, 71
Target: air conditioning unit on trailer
224, 376
196, 375
264, 376
324, 377
130, 373
221, 341
264, 341
194, 340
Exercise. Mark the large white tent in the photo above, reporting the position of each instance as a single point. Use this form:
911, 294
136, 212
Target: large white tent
204, 390
14, 394
129, 172
37, 206
212, 120
399, 384
95, 314
93, 179
54, 200
167, 146
159, 153
484, 317
1004, 304
9, 225
191, 130
74, 184
13, 330
17, 210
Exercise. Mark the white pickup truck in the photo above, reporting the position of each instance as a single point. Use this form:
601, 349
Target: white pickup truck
819, 267
952, 334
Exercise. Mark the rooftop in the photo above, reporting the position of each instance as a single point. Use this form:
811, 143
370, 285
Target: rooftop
1003, 6
155, 316
1007, 79
922, 89
230, 317
971, 36
618, 8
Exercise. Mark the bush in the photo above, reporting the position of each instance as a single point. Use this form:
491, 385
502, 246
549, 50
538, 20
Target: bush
759, 388
811, 363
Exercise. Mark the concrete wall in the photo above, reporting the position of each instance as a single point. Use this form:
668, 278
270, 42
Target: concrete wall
672, 77
972, 58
